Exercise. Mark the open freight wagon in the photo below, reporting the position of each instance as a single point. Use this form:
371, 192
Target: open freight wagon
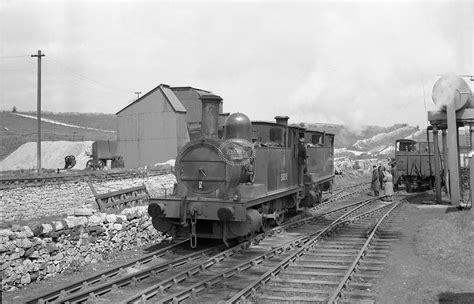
415, 164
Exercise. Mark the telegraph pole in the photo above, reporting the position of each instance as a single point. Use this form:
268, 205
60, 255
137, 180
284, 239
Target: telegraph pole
38, 150
138, 95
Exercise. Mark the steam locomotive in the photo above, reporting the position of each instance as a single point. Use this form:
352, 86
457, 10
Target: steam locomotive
245, 180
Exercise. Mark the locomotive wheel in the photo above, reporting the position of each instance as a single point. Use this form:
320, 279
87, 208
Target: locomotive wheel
267, 224
279, 219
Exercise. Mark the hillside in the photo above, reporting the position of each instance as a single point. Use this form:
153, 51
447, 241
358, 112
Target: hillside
368, 142
19, 128
16, 130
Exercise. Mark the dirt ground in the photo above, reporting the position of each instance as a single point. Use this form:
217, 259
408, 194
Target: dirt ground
433, 261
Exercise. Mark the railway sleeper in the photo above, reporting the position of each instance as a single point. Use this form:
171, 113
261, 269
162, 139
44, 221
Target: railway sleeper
356, 294
314, 283
295, 290
328, 261
297, 299
293, 273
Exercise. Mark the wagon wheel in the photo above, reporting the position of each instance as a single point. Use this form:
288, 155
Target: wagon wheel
90, 164
408, 185
100, 164
431, 183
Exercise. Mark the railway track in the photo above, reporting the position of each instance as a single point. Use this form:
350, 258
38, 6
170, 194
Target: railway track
341, 194
164, 259
35, 181
227, 278
206, 267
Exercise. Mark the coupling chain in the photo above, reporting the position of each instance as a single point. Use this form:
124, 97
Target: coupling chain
193, 238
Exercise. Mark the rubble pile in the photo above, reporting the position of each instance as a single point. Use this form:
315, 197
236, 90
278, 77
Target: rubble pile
26, 203
345, 165
33, 253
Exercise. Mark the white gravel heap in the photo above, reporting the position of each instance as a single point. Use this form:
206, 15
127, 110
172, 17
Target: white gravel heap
52, 155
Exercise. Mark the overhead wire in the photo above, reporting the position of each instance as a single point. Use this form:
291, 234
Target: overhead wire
19, 69
19, 56
76, 79
83, 77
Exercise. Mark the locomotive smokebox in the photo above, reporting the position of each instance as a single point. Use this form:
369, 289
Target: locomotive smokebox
237, 125
210, 115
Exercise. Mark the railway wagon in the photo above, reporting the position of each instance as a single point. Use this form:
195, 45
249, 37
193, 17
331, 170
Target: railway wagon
415, 163
244, 182
102, 151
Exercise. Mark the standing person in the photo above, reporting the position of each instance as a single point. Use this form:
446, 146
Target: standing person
302, 156
395, 175
375, 181
380, 169
388, 181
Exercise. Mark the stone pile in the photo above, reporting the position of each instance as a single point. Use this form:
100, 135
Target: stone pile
26, 203
33, 253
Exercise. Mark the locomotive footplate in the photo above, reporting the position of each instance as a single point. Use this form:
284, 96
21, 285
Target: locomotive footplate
182, 208
220, 218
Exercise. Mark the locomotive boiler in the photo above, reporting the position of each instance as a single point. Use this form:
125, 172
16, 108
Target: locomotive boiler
245, 181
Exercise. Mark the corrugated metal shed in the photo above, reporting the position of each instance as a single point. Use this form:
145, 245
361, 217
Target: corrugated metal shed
154, 127
167, 92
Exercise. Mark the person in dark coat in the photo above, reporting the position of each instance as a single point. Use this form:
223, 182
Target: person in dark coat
375, 186
381, 176
302, 156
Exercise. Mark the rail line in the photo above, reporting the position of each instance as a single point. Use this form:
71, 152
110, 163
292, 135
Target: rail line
171, 269
163, 261
124, 274
35, 181
231, 270
321, 273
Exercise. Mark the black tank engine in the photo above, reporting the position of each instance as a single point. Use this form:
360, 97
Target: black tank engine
245, 181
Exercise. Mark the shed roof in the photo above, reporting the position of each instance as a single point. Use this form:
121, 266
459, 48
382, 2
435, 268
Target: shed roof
199, 91
169, 95
173, 100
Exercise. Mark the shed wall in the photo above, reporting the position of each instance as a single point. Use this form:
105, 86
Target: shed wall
192, 103
150, 132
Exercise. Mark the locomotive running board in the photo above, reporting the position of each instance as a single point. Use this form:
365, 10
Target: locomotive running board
272, 196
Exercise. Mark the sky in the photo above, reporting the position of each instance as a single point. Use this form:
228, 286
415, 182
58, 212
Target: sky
353, 63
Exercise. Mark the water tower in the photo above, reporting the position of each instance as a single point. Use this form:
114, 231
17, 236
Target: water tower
453, 97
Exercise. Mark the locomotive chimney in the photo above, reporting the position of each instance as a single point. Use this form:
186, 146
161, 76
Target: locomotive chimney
210, 115
282, 120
